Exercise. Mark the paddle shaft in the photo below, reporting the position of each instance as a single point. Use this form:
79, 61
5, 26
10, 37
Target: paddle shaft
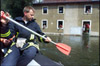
27, 28
65, 49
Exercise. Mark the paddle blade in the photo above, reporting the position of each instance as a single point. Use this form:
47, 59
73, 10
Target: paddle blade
63, 48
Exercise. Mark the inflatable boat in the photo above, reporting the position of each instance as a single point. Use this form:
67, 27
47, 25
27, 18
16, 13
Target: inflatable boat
41, 60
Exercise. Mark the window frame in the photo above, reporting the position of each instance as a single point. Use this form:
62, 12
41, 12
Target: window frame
43, 10
58, 9
90, 21
91, 9
62, 24
42, 23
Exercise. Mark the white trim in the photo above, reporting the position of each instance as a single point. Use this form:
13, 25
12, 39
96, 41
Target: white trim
85, 8
33, 63
42, 23
58, 9
42, 10
90, 24
63, 24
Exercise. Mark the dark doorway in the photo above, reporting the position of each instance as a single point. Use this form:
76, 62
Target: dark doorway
86, 27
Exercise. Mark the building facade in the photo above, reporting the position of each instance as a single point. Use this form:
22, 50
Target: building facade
68, 17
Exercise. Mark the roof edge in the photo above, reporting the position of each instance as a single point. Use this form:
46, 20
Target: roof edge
66, 2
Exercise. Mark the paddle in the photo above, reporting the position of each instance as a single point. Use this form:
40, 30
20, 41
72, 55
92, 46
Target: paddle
60, 46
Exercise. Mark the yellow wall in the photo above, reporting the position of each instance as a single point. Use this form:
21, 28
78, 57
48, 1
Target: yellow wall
73, 16
52, 17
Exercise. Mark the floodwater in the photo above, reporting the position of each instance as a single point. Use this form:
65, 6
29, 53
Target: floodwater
85, 50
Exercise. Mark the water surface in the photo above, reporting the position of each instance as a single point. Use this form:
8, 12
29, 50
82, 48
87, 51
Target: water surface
85, 50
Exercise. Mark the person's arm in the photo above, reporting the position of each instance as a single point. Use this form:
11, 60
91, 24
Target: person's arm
38, 30
13, 30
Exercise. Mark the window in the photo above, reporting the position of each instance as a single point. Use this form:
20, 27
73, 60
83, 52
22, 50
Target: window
60, 24
45, 10
44, 24
86, 26
60, 9
88, 9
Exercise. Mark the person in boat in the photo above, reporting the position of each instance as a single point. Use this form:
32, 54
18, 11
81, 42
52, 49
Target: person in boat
6, 35
26, 46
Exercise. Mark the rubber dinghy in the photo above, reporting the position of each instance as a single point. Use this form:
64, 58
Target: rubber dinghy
41, 60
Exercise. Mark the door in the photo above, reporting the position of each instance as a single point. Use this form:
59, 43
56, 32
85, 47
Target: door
86, 26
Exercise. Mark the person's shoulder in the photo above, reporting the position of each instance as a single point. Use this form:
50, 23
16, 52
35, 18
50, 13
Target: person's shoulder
34, 21
18, 18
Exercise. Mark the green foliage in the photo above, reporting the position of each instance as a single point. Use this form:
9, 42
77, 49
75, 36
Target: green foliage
15, 7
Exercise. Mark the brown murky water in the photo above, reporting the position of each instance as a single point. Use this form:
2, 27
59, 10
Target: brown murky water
85, 50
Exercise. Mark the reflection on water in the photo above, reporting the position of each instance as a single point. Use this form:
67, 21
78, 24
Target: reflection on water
85, 50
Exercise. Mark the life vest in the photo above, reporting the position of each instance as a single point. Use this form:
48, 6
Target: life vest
5, 33
23, 33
